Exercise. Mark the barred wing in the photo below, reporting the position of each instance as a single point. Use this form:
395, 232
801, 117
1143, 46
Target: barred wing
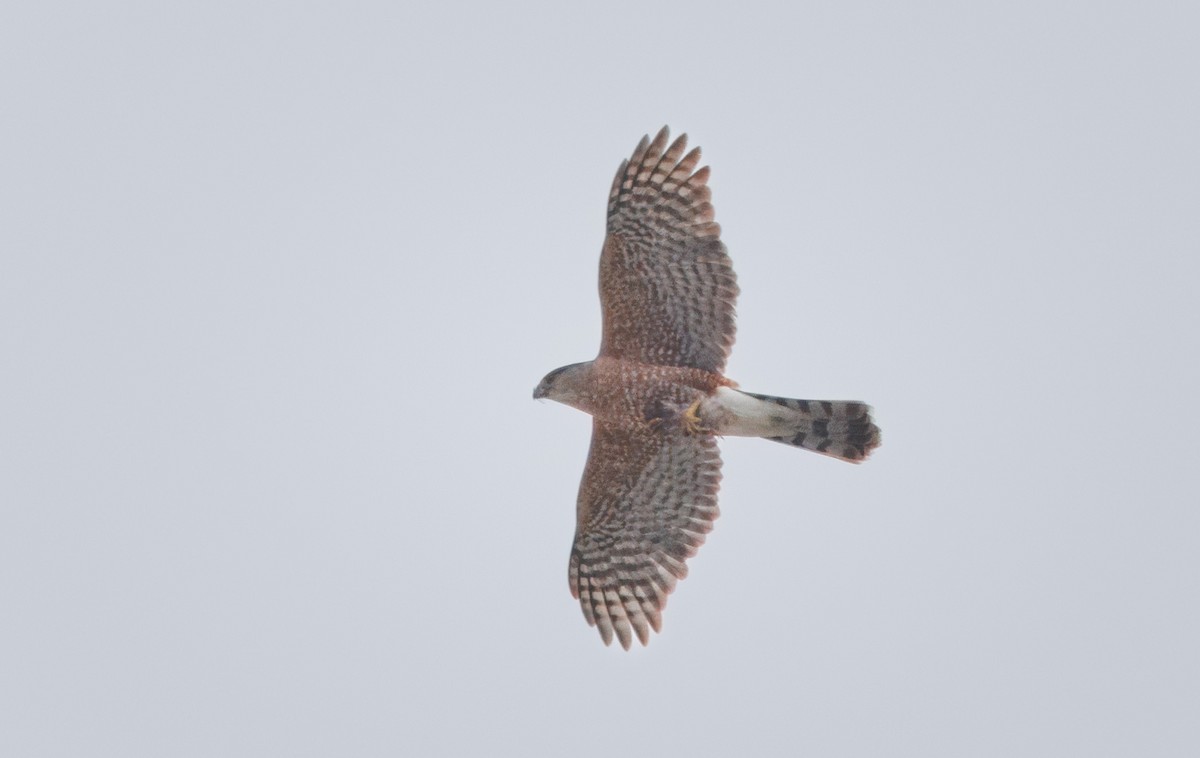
667, 286
645, 505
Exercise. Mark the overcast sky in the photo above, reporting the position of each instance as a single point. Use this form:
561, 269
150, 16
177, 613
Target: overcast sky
277, 281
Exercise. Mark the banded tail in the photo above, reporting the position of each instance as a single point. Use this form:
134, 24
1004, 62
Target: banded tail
838, 428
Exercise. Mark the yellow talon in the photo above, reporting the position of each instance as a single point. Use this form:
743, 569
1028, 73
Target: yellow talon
691, 419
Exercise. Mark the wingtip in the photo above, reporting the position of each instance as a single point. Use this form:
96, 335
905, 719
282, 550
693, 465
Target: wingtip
643, 634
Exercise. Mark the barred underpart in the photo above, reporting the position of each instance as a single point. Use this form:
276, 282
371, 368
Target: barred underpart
645, 505
667, 286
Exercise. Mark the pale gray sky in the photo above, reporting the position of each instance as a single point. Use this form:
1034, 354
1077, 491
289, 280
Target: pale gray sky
277, 280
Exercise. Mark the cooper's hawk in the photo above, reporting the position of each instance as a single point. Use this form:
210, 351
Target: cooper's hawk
658, 397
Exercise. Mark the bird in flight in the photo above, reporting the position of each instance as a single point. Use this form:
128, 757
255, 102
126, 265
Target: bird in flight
659, 398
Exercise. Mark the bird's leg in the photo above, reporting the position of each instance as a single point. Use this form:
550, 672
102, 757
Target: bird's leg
691, 419
669, 416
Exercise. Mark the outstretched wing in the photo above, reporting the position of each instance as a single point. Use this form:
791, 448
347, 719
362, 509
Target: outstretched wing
647, 500
667, 286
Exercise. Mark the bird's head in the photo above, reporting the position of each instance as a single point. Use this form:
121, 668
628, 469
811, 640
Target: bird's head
562, 384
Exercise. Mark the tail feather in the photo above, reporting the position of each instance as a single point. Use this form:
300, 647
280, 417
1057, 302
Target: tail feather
839, 428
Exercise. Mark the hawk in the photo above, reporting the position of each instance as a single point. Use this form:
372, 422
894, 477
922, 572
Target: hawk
659, 399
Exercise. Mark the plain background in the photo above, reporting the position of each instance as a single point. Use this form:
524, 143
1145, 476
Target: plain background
277, 281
